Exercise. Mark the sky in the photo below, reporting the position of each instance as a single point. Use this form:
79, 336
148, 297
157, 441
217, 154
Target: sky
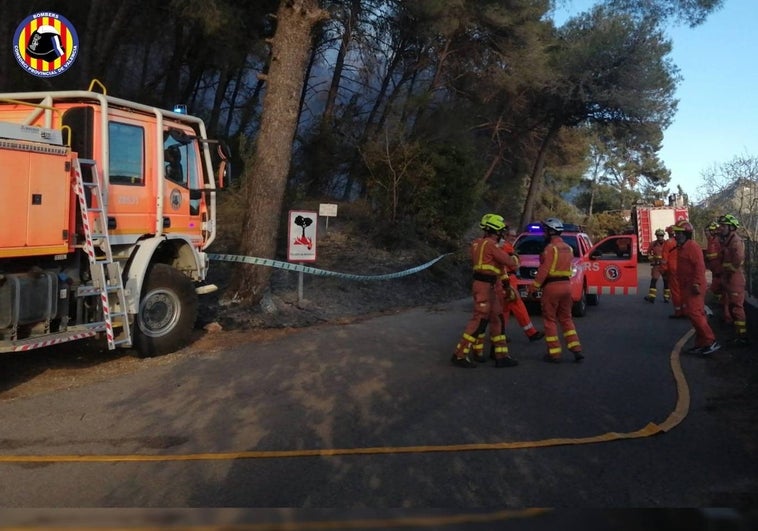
717, 116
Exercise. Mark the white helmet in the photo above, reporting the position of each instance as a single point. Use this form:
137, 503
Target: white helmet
553, 224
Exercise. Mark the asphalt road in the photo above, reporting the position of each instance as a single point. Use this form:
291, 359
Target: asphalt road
373, 415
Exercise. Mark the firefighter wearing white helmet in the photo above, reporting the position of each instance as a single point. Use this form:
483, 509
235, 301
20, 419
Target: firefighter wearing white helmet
488, 262
553, 278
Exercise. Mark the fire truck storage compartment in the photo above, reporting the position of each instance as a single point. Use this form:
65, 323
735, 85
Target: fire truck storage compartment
35, 206
28, 298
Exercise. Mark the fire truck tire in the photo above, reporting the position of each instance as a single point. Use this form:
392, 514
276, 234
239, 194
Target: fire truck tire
167, 312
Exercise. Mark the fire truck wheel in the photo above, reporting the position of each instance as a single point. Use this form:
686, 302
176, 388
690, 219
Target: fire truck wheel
167, 312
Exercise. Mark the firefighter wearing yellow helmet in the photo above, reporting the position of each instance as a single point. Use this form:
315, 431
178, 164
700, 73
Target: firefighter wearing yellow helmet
668, 268
733, 276
713, 258
655, 256
488, 262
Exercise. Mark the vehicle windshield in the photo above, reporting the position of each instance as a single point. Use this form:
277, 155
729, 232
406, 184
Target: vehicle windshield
535, 243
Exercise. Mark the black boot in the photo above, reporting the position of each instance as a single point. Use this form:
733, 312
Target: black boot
464, 362
506, 362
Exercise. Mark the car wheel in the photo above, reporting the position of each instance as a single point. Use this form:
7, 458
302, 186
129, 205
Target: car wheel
579, 308
167, 312
593, 299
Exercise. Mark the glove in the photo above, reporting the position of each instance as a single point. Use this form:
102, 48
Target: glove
695, 289
510, 293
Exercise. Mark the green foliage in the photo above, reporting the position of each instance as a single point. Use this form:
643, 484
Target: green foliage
605, 197
476, 84
605, 223
425, 191
691, 12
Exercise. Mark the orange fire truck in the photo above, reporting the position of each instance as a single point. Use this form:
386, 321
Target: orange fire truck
107, 209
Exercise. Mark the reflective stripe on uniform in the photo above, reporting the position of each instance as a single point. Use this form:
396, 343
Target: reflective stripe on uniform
479, 266
572, 339
553, 271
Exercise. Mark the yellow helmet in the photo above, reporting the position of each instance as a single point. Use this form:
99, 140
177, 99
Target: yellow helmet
492, 222
729, 220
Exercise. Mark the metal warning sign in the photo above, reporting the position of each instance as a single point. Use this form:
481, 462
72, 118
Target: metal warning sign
301, 236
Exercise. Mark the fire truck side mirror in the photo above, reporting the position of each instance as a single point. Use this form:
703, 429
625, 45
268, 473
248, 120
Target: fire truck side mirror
225, 168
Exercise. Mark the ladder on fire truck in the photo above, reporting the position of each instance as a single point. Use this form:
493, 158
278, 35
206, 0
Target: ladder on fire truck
107, 282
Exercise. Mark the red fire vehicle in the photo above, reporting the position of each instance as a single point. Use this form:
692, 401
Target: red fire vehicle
596, 269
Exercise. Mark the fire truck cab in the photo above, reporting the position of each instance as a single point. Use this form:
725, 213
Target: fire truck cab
108, 208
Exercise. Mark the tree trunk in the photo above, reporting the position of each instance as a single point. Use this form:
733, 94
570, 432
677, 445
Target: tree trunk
268, 171
535, 183
339, 64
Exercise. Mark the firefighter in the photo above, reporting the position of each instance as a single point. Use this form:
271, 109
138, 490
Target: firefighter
733, 276
713, 258
655, 255
553, 278
173, 160
489, 262
691, 276
668, 266
512, 302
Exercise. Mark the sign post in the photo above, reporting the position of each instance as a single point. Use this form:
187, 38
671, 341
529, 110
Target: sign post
327, 210
301, 241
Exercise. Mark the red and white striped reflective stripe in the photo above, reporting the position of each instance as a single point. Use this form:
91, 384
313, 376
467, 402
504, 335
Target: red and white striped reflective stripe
611, 290
88, 245
56, 341
107, 317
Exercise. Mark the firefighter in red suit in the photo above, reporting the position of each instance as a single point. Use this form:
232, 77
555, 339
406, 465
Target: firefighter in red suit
713, 259
512, 302
553, 278
669, 266
733, 276
488, 261
655, 255
691, 276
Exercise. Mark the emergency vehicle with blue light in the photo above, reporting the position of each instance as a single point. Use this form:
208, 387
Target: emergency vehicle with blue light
595, 270
107, 209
